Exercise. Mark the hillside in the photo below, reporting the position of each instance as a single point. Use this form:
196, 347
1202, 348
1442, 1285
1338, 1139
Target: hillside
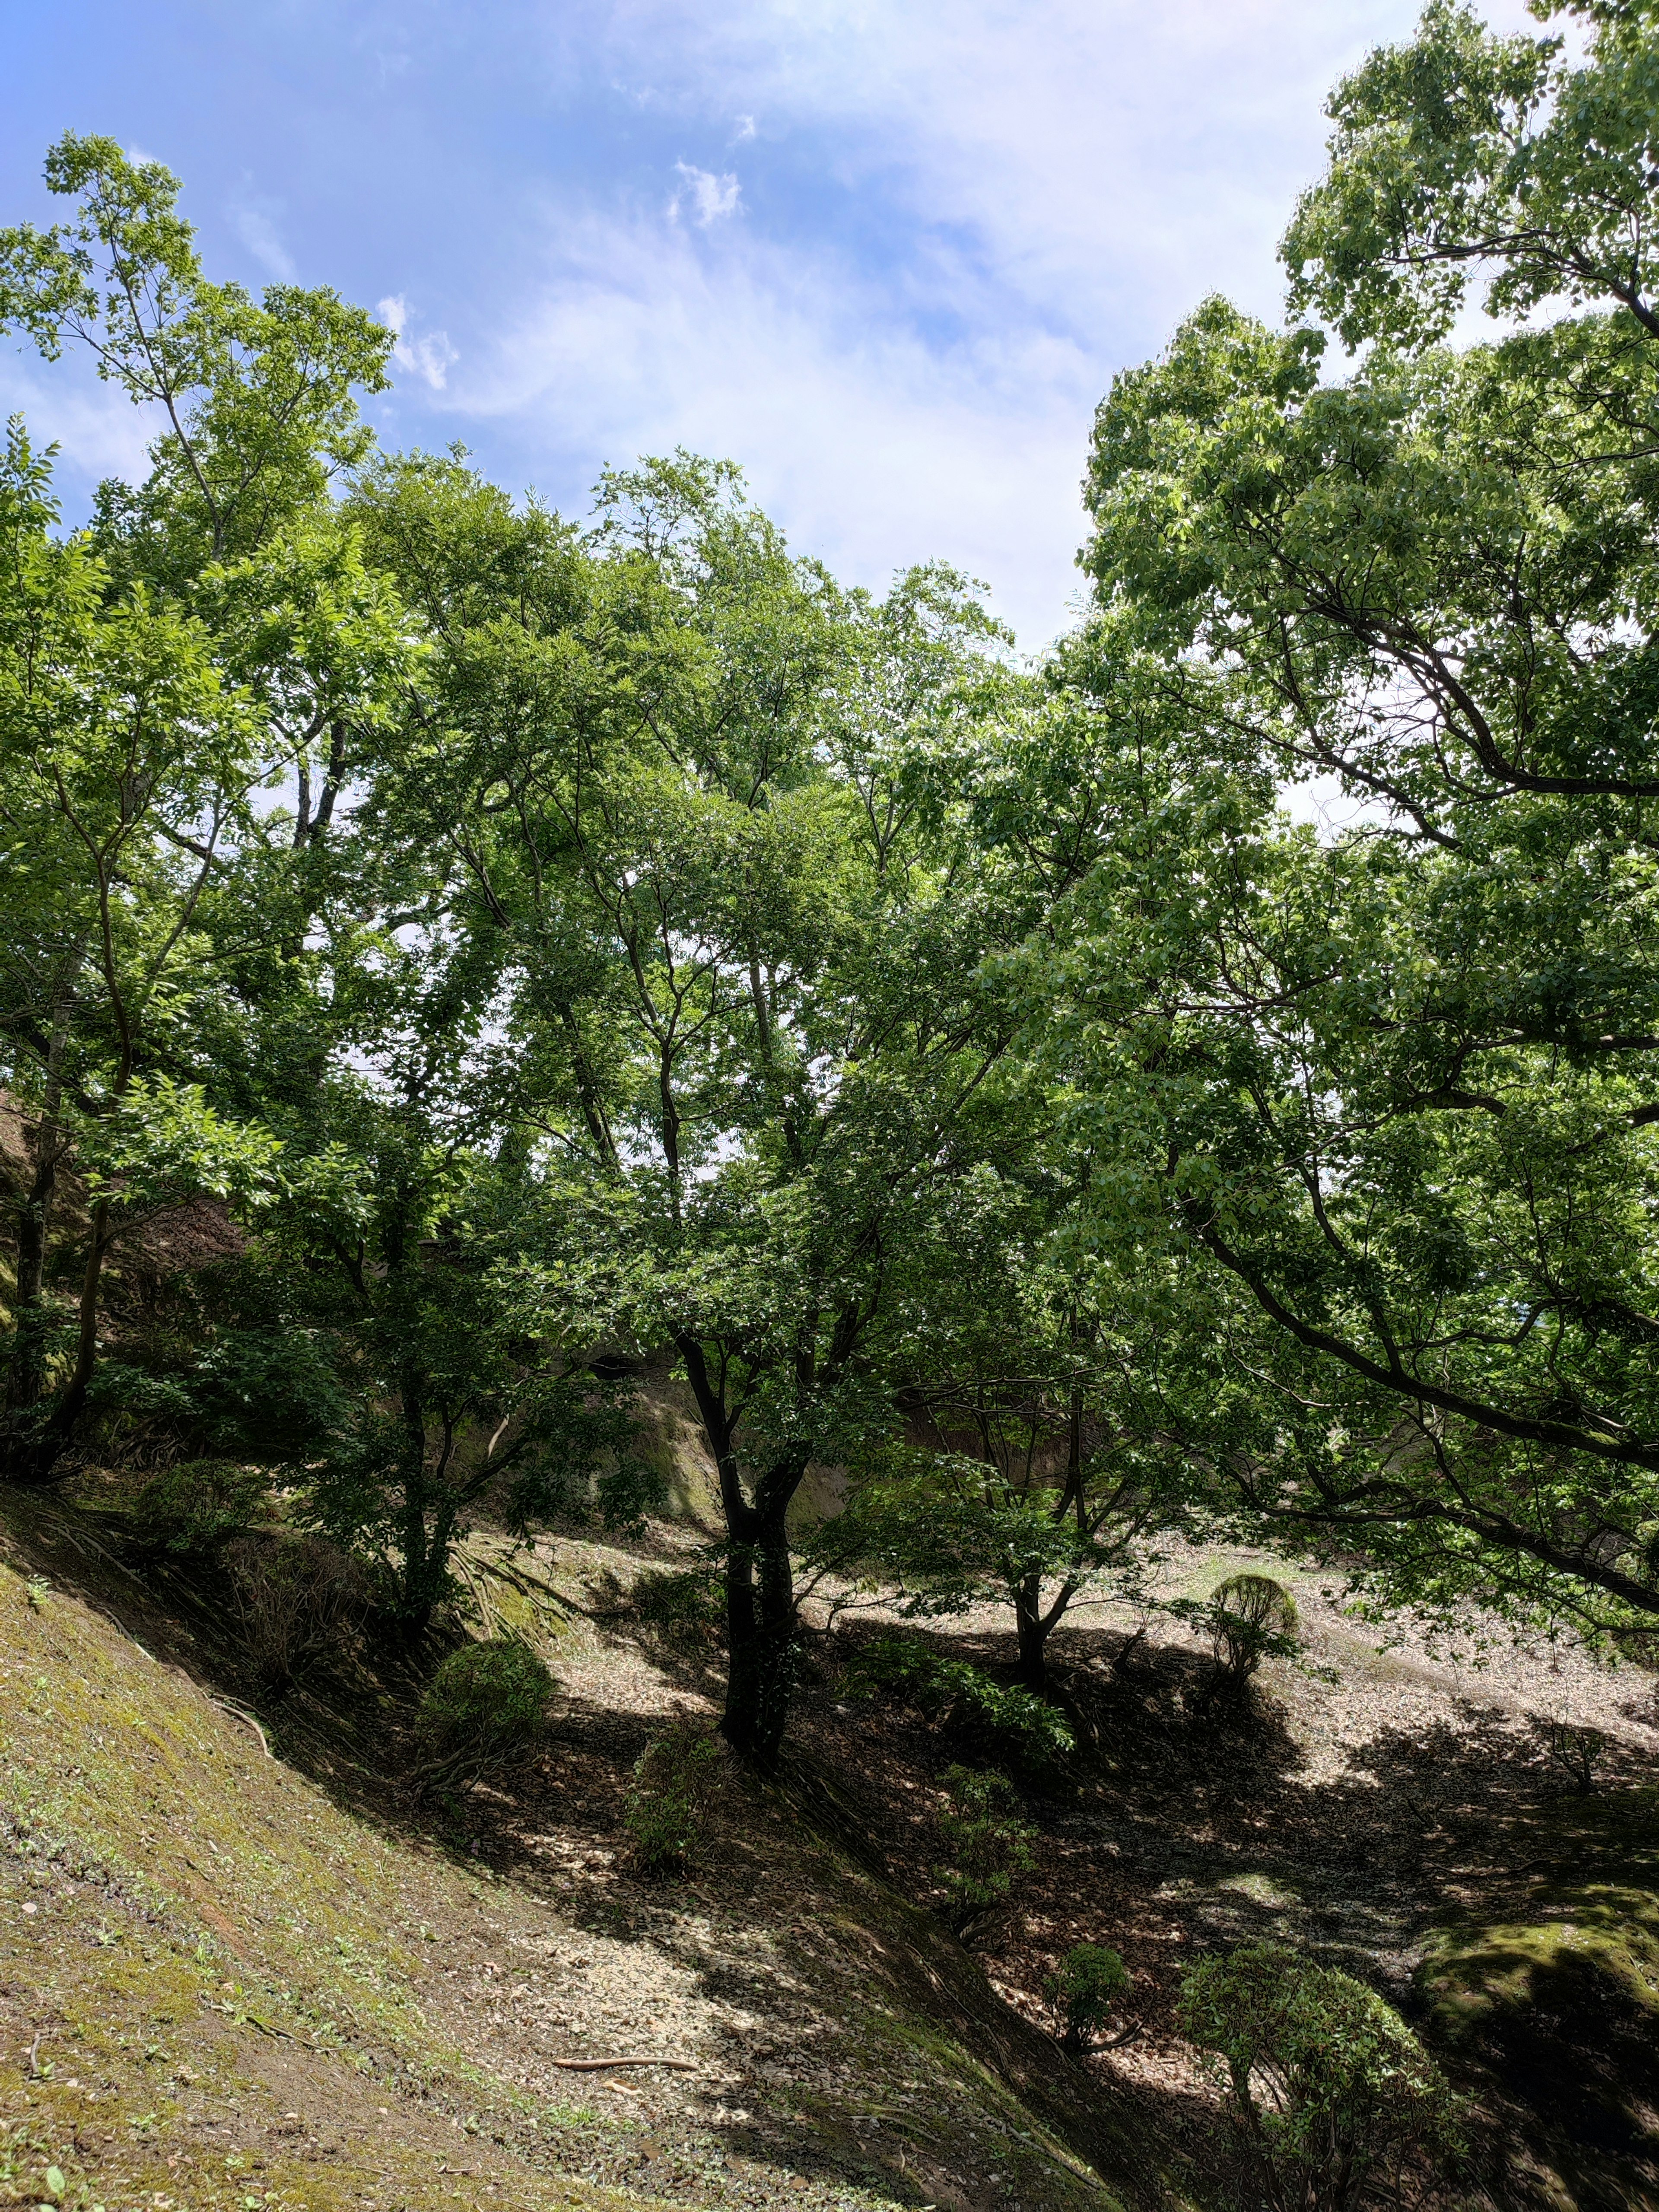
235, 1979
229, 1983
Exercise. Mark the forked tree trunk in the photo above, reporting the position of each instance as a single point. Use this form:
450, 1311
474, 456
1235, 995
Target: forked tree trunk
760, 1624
760, 1584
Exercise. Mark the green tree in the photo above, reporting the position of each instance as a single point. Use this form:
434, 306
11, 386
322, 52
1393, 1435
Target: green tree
156, 675
1385, 1095
682, 779
257, 395
1032, 1465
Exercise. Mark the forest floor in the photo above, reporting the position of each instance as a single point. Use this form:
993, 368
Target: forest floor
313, 1991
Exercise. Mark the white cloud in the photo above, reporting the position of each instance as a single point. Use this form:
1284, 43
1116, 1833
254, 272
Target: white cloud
710, 197
254, 222
101, 432
873, 451
430, 357
1031, 192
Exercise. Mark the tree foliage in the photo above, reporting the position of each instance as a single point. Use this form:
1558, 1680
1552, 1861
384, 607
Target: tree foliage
519, 951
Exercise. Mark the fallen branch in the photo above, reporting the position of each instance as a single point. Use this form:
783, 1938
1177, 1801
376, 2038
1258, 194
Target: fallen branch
604, 2065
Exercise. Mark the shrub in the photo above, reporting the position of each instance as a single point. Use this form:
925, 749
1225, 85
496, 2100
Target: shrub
1335, 2096
986, 1842
198, 1504
1085, 1990
1007, 1724
1579, 1750
674, 1783
1251, 1617
686, 1605
292, 1596
486, 1707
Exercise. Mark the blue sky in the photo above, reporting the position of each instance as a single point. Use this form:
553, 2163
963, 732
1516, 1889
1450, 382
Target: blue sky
884, 253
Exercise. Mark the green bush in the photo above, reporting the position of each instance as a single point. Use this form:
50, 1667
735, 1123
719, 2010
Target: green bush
675, 1779
986, 1842
684, 1604
1013, 1725
198, 1504
1337, 2098
485, 1708
1085, 1990
1252, 1618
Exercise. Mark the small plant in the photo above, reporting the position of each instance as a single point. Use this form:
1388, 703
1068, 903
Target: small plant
38, 1589
292, 1596
1251, 1618
685, 1605
986, 1842
1336, 2097
197, 1504
1004, 1722
486, 1707
1085, 1990
1578, 1751
674, 1784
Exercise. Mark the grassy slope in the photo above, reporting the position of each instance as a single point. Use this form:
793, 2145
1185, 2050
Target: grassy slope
228, 1993
208, 1975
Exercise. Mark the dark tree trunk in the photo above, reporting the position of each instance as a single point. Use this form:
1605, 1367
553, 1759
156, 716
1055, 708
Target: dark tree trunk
424, 1548
760, 1584
37, 1452
25, 1374
760, 1624
1032, 1628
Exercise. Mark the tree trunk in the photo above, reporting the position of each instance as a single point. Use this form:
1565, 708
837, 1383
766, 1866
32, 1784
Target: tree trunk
37, 1458
1032, 1628
25, 1374
760, 1584
760, 1622
425, 1552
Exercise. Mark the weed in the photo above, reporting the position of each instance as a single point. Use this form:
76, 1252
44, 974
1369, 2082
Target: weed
293, 1595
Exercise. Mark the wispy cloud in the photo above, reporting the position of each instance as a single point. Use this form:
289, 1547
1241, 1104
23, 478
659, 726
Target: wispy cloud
708, 196
430, 356
254, 222
851, 429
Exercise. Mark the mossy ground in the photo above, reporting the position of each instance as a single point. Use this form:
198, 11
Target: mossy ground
250, 1982
1551, 2006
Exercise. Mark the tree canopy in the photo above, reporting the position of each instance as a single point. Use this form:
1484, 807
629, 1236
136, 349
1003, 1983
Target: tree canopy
542, 949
